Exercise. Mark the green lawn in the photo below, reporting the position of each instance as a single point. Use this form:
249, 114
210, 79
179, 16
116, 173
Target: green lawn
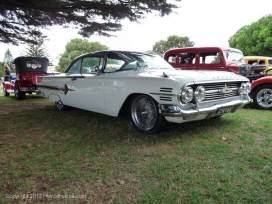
79, 156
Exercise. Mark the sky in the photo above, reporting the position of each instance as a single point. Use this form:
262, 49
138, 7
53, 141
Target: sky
205, 22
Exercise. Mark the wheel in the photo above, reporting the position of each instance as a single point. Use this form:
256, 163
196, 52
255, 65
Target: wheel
5, 90
19, 95
262, 97
60, 106
144, 115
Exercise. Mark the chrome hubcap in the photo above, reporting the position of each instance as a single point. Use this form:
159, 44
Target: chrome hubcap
264, 98
59, 104
144, 113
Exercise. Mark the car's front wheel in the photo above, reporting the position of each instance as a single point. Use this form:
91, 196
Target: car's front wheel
5, 90
19, 95
145, 116
262, 97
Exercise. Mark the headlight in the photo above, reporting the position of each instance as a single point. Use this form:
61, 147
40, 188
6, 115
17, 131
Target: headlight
245, 88
200, 93
187, 94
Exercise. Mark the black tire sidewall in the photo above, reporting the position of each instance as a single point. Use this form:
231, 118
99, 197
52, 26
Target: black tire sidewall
160, 124
255, 93
20, 95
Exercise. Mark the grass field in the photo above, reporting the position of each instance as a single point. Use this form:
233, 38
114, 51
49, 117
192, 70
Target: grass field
77, 156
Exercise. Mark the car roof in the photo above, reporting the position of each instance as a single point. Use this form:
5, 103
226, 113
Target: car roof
204, 48
257, 57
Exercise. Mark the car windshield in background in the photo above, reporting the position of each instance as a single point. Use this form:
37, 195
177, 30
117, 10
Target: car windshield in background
234, 56
134, 60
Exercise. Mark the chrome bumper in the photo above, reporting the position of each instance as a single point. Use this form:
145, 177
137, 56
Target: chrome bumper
211, 110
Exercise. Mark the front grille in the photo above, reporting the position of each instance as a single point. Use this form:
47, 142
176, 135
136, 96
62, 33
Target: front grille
216, 91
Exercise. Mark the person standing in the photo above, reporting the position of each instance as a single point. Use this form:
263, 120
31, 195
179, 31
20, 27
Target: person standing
7, 73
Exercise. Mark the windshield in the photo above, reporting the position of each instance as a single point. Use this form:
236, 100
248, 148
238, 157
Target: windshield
234, 56
135, 60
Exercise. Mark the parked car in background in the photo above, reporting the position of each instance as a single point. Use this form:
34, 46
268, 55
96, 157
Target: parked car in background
13, 76
212, 58
261, 92
264, 63
145, 87
25, 79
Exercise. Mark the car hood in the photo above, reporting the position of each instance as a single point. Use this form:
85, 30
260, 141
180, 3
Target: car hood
195, 76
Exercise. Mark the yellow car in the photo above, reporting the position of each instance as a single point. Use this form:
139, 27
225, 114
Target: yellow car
259, 60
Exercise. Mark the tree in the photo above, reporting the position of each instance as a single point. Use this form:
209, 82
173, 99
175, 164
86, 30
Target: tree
78, 47
8, 59
1, 69
35, 51
254, 39
172, 42
22, 20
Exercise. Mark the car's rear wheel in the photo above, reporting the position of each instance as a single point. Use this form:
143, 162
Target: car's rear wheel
145, 116
262, 97
60, 106
5, 90
19, 95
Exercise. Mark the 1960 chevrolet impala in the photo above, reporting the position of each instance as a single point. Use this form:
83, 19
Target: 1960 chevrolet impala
145, 87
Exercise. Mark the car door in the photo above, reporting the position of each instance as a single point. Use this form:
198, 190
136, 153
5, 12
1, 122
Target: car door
86, 83
211, 60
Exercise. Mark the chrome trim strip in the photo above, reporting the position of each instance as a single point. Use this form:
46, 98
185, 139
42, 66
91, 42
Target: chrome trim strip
65, 89
163, 94
66, 76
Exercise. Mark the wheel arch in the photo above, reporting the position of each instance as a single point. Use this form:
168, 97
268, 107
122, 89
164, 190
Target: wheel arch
254, 89
124, 110
54, 97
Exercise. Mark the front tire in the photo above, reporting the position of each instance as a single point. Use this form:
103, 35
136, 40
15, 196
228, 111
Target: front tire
262, 97
19, 95
144, 115
5, 90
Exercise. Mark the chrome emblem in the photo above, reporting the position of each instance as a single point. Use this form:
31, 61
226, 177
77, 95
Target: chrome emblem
225, 90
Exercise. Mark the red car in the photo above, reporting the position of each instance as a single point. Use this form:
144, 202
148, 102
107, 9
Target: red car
27, 70
213, 59
261, 92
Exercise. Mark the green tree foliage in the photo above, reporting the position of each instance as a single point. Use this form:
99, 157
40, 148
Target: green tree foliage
254, 39
1, 69
172, 42
35, 51
8, 58
21, 20
78, 47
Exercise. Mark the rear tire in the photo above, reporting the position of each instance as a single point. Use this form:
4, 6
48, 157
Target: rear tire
144, 115
19, 95
60, 106
262, 97
5, 90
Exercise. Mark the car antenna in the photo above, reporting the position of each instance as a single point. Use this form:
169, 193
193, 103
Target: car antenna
164, 75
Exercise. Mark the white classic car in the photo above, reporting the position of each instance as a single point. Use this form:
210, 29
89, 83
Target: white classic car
145, 87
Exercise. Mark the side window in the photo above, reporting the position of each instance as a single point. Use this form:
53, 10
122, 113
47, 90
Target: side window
75, 68
171, 59
187, 58
114, 62
210, 58
91, 64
